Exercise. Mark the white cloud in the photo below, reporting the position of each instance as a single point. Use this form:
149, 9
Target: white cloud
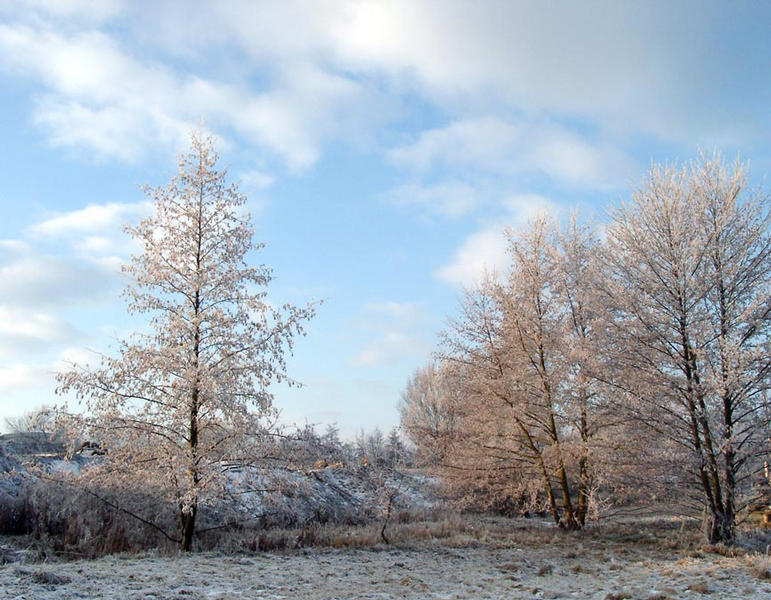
102, 98
387, 350
70, 14
257, 179
109, 131
390, 316
37, 326
482, 142
523, 208
81, 10
95, 234
98, 98
69, 264
596, 61
94, 244
21, 376
485, 252
92, 218
14, 247
49, 281
24, 387
482, 253
395, 326
76, 355
292, 76
396, 310
451, 199
491, 144
24, 331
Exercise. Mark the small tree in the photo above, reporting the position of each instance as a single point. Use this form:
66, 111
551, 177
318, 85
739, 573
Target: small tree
192, 392
40, 420
371, 447
430, 412
396, 453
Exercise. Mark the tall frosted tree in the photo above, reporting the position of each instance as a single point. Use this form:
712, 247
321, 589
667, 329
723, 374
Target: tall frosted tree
191, 393
689, 289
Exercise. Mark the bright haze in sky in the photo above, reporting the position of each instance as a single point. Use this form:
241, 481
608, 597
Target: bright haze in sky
383, 147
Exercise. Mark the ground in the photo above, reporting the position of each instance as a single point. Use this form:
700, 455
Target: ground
477, 560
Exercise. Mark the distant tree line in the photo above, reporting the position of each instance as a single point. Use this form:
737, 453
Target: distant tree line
307, 447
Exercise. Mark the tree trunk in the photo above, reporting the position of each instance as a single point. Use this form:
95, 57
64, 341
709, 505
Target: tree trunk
583, 492
189, 514
188, 527
583, 467
720, 527
729, 508
569, 521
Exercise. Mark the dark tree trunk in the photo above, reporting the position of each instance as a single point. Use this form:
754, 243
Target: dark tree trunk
188, 528
583, 491
720, 527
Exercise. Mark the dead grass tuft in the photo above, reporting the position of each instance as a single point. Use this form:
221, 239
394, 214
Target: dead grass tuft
43, 577
759, 566
14, 514
545, 570
723, 550
452, 531
700, 588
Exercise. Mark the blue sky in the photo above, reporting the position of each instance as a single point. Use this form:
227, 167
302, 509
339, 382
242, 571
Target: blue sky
383, 147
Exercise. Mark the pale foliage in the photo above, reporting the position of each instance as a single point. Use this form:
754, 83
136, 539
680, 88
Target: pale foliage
688, 290
624, 367
430, 413
191, 394
521, 353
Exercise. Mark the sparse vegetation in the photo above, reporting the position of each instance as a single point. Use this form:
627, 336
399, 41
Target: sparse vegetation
476, 555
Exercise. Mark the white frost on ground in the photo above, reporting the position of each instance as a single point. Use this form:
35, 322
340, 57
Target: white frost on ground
431, 570
348, 494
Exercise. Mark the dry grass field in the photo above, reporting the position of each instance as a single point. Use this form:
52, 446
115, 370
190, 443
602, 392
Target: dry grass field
458, 557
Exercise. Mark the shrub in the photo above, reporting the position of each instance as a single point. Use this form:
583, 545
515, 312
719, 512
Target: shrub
85, 522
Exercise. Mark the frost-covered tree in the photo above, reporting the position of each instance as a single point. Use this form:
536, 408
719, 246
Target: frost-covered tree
429, 411
40, 420
522, 352
190, 394
689, 290
396, 453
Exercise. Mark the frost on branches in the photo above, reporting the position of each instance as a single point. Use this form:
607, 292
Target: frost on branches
190, 395
633, 369
525, 415
689, 290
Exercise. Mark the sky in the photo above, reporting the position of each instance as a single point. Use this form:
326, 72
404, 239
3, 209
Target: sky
383, 147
